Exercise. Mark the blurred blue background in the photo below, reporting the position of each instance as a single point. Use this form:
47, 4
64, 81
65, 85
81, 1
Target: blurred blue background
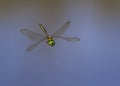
94, 61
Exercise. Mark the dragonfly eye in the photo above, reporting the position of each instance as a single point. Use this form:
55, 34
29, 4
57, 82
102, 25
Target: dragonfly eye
51, 42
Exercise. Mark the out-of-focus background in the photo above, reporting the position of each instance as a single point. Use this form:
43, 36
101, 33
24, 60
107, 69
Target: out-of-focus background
94, 61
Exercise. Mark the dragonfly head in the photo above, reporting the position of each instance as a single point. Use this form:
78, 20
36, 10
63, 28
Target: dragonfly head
50, 41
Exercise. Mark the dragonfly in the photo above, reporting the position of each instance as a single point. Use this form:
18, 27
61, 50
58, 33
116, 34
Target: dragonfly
49, 38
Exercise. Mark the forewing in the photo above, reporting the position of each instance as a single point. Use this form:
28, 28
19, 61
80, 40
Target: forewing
71, 39
62, 29
32, 35
31, 47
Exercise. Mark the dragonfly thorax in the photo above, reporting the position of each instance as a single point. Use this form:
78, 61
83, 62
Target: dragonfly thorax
50, 41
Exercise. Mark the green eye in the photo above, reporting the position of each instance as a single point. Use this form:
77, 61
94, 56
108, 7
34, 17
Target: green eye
51, 42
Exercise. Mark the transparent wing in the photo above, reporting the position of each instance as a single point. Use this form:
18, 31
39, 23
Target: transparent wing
32, 35
43, 29
71, 39
62, 29
31, 47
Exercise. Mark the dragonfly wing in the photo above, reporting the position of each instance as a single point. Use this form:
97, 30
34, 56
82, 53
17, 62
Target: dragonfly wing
31, 47
71, 39
32, 35
43, 29
62, 29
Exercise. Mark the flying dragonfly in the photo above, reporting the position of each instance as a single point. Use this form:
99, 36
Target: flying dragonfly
50, 38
